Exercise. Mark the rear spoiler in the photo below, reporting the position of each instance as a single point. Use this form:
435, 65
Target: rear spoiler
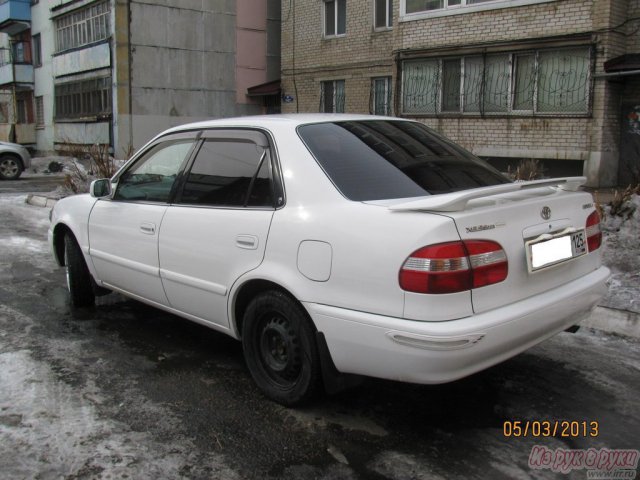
457, 201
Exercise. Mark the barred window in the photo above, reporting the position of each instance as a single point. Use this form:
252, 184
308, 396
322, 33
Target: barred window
82, 27
380, 96
87, 98
535, 82
332, 96
39, 111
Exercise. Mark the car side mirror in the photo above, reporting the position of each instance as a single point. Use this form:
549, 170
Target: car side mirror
100, 188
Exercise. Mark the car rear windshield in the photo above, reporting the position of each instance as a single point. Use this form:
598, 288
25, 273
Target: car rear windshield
386, 159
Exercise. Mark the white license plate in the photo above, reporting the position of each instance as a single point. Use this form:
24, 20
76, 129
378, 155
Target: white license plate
561, 248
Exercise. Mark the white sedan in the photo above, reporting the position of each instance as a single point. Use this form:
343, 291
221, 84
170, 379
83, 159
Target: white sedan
337, 244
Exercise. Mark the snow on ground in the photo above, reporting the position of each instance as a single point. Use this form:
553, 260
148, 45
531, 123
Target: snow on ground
621, 253
51, 429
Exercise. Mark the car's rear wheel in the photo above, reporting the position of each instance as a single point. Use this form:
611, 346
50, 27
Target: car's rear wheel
10, 167
280, 350
78, 277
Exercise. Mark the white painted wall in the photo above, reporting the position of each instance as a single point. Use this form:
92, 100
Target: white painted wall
43, 76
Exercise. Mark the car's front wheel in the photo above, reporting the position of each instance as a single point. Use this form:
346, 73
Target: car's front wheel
78, 277
10, 167
280, 350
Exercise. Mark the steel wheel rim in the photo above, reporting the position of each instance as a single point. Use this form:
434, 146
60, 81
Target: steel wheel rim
279, 350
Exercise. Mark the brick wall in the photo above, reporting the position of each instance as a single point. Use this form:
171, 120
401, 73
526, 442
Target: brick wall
363, 53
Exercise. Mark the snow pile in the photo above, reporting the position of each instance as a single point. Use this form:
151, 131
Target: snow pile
621, 253
49, 166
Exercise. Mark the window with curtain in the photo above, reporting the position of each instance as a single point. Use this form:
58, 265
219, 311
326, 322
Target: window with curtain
332, 96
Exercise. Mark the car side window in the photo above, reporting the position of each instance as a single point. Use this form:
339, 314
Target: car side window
152, 177
230, 172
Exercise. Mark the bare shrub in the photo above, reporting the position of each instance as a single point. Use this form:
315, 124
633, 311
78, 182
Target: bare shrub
528, 169
101, 165
621, 205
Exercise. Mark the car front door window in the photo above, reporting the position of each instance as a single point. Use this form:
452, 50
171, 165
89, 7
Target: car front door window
152, 177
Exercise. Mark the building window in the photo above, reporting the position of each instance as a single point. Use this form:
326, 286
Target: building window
24, 107
332, 96
539, 82
335, 17
417, 6
37, 51
39, 112
88, 98
83, 27
382, 14
5, 56
381, 96
21, 48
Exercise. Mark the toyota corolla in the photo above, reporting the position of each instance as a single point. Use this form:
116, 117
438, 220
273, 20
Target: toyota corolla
337, 244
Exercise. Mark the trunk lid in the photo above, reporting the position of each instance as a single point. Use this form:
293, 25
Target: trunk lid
513, 215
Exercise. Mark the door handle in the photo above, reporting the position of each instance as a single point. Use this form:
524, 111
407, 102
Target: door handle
148, 228
249, 242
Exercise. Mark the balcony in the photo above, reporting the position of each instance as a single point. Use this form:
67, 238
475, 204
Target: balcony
15, 16
18, 73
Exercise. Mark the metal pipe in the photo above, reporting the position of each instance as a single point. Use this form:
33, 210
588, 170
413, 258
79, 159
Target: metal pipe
617, 74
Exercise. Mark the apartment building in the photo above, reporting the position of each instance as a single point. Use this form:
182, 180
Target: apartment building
117, 72
554, 80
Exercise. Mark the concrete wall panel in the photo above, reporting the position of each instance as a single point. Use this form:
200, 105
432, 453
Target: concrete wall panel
83, 60
219, 33
219, 70
87, 133
252, 14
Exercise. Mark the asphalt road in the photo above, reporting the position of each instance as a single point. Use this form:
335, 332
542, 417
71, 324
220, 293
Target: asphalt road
31, 184
127, 391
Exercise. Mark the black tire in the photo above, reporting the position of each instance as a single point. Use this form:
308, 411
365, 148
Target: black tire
10, 167
78, 277
278, 341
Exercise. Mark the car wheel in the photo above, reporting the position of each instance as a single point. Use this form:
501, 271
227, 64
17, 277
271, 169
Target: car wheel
280, 350
10, 167
78, 276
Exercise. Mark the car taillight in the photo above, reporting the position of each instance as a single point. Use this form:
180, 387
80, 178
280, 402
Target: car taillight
594, 235
454, 267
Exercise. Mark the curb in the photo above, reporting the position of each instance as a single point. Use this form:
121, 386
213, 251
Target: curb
610, 320
40, 200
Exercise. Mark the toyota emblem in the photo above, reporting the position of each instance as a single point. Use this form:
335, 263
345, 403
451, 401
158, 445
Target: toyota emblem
545, 213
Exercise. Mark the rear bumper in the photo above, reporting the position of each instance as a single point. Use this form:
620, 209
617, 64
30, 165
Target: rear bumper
439, 352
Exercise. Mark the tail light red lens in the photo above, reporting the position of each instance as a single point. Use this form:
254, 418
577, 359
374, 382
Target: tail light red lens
594, 235
454, 267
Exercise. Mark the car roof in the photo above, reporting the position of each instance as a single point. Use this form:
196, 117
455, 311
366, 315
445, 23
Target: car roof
293, 119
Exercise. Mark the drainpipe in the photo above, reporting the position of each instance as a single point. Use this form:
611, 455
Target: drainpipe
130, 62
13, 93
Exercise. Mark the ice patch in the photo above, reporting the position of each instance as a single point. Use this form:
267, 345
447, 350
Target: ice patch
28, 244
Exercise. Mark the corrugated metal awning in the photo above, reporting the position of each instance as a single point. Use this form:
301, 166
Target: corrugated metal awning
623, 63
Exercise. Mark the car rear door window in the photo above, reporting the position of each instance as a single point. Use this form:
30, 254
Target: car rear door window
153, 176
230, 172
376, 159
